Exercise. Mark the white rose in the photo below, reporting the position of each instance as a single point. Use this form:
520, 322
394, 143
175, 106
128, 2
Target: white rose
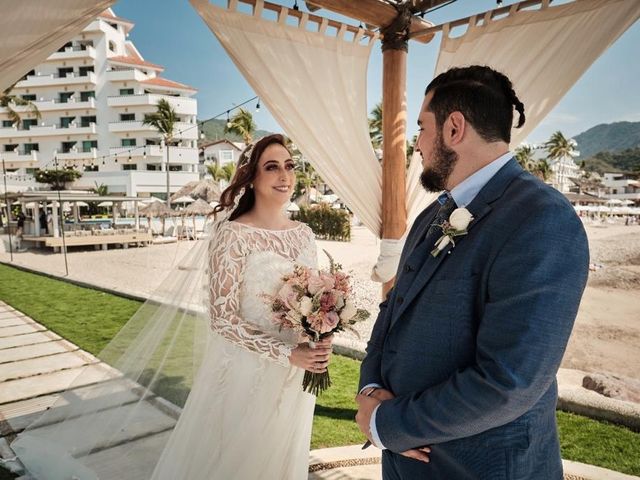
349, 311
460, 219
294, 317
306, 305
339, 301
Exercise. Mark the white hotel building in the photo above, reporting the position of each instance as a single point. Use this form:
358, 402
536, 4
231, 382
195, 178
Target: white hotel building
92, 95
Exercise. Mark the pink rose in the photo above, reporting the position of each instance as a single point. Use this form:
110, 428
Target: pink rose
316, 284
288, 296
330, 322
327, 301
328, 281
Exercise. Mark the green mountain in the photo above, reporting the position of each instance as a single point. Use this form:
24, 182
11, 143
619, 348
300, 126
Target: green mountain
625, 161
608, 137
214, 130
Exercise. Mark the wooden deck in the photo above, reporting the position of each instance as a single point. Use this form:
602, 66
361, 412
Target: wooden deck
36, 366
71, 241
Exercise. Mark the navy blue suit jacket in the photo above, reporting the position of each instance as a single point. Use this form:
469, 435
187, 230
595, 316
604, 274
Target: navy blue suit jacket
470, 341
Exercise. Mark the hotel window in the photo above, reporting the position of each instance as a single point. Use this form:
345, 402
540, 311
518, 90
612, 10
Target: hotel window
65, 96
126, 91
31, 97
65, 122
84, 70
29, 147
151, 167
64, 47
112, 45
128, 142
10, 147
129, 166
226, 156
91, 168
175, 168
28, 123
87, 145
85, 96
67, 146
7, 123
64, 72
87, 121
127, 117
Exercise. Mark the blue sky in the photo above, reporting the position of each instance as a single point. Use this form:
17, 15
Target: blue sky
171, 33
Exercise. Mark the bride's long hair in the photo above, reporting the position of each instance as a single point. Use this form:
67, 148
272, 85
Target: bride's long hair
246, 171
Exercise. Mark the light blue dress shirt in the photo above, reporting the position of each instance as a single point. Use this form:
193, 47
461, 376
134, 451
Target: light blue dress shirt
463, 194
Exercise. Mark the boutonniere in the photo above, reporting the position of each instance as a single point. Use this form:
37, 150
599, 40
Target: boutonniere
456, 226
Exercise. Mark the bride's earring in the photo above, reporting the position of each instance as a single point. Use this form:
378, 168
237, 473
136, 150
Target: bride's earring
251, 186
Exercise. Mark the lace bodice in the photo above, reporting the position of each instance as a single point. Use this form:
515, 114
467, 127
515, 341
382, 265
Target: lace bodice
246, 262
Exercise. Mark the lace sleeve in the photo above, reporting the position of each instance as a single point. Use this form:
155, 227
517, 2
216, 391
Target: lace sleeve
226, 270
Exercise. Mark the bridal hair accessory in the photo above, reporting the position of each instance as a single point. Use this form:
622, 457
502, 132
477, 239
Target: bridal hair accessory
456, 226
248, 151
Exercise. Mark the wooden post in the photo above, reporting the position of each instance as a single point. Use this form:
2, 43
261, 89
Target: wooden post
394, 134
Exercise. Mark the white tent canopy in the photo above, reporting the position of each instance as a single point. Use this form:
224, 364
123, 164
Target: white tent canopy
543, 51
34, 29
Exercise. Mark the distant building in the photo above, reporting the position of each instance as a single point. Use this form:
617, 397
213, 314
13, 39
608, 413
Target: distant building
621, 186
93, 94
219, 152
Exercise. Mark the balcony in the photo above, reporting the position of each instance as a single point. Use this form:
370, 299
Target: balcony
75, 154
155, 154
184, 131
47, 131
182, 105
126, 75
73, 53
19, 159
53, 80
56, 105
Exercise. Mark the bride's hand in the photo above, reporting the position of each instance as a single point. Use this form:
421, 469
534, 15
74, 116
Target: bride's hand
314, 360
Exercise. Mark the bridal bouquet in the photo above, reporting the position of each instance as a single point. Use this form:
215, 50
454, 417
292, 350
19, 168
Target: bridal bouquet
316, 303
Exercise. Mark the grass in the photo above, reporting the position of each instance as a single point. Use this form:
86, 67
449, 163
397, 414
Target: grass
91, 318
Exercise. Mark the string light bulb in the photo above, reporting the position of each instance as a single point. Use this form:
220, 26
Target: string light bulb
258, 106
144, 153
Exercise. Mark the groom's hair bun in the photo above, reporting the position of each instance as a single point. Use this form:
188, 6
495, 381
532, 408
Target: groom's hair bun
483, 95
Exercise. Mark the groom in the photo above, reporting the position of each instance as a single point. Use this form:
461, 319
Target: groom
459, 377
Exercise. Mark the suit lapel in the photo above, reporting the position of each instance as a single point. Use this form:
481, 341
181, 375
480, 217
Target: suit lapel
479, 208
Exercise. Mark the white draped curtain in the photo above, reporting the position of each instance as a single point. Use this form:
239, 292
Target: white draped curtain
34, 29
543, 51
314, 84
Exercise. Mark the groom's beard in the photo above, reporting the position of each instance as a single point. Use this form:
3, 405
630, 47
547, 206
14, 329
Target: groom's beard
443, 159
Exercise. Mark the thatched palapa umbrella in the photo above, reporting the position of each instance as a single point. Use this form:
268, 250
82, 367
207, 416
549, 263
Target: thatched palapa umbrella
207, 190
159, 210
199, 207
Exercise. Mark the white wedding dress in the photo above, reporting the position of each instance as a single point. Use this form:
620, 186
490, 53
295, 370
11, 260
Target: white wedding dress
246, 417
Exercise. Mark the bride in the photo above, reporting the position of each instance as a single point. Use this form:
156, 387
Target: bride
247, 416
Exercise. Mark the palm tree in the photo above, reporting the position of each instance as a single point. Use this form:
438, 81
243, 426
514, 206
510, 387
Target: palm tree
164, 120
375, 126
216, 172
229, 170
8, 101
562, 149
542, 170
524, 156
100, 189
242, 124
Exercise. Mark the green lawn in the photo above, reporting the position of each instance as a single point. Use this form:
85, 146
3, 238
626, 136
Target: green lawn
91, 318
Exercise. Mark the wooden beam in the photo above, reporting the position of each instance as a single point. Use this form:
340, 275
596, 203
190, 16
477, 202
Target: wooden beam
394, 146
374, 12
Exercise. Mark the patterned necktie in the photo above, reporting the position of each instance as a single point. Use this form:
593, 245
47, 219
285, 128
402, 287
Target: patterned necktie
447, 205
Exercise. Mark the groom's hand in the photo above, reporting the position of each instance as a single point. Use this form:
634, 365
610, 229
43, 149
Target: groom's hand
382, 394
366, 405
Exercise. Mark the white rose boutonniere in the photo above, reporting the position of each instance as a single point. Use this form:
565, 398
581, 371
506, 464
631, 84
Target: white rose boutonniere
456, 226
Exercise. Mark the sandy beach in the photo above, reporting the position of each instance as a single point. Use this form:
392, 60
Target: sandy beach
606, 336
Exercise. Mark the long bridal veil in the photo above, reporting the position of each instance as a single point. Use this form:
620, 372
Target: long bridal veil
116, 417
